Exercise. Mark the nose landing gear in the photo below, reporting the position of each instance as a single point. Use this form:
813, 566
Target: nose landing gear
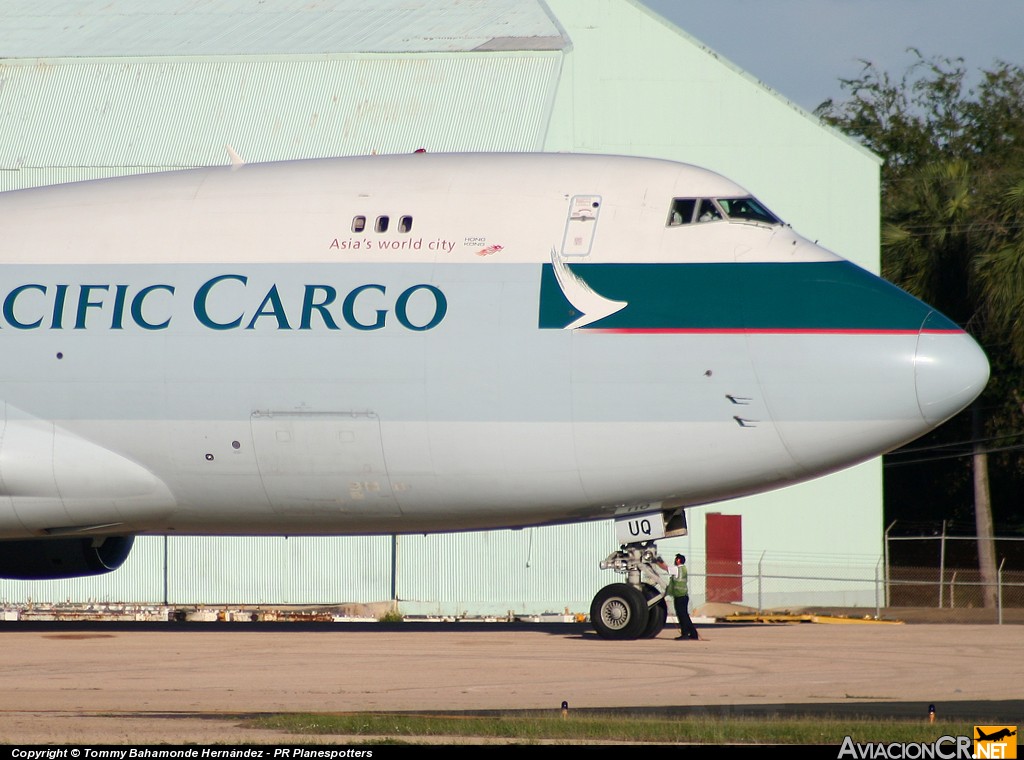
635, 609
619, 611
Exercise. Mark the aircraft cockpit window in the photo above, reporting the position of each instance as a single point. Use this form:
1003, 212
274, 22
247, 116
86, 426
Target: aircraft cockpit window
747, 209
358, 223
708, 211
681, 211
382, 224
405, 224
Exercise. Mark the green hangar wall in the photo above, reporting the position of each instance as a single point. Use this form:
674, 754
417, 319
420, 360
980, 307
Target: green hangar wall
92, 89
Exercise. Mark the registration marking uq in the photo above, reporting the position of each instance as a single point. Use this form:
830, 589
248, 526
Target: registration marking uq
643, 527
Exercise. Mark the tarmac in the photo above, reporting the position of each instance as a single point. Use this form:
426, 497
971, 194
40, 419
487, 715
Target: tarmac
125, 683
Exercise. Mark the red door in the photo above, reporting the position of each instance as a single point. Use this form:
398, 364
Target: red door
724, 536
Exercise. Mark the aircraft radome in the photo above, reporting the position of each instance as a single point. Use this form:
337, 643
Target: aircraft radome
418, 343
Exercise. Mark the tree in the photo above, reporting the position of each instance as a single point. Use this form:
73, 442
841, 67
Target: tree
953, 223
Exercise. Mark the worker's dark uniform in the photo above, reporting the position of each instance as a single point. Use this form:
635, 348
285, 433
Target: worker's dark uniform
680, 593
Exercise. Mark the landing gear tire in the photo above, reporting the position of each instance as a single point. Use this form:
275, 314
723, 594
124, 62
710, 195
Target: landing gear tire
619, 611
656, 615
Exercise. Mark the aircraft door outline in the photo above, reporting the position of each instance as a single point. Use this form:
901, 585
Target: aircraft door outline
580, 225
317, 462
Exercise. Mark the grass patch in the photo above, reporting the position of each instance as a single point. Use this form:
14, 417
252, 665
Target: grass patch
615, 727
391, 616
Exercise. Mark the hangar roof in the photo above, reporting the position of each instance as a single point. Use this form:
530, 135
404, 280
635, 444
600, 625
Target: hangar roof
101, 87
134, 28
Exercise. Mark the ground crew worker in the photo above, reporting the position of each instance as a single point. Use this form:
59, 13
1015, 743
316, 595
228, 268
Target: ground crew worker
680, 593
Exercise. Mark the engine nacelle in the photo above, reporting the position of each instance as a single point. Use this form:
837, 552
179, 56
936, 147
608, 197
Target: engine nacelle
49, 559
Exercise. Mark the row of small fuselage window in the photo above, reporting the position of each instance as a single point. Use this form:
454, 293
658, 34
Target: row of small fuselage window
382, 223
684, 211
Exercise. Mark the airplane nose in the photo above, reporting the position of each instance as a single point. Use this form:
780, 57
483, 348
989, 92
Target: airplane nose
950, 370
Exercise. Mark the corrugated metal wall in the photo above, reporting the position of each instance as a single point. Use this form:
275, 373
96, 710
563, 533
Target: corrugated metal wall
139, 579
533, 570
161, 28
527, 571
66, 120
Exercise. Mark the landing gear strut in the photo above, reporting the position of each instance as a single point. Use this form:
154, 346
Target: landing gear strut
635, 609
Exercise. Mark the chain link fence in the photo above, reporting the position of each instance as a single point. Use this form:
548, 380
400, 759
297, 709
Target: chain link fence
941, 572
952, 588
949, 590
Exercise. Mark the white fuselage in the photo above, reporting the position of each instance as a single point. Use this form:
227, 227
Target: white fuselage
531, 340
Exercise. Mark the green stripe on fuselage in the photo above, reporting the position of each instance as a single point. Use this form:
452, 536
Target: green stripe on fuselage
805, 296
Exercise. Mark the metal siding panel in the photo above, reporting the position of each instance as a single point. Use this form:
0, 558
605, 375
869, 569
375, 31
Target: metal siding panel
528, 571
205, 570
139, 115
138, 580
332, 571
126, 28
36, 177
278, 570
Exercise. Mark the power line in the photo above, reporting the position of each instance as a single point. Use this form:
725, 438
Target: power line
969, 442
972, 452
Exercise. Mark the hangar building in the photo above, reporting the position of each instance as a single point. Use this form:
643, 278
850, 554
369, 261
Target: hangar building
96, 88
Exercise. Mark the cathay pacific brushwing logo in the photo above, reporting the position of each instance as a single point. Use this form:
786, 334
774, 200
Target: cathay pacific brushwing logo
591, 305
723, 298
